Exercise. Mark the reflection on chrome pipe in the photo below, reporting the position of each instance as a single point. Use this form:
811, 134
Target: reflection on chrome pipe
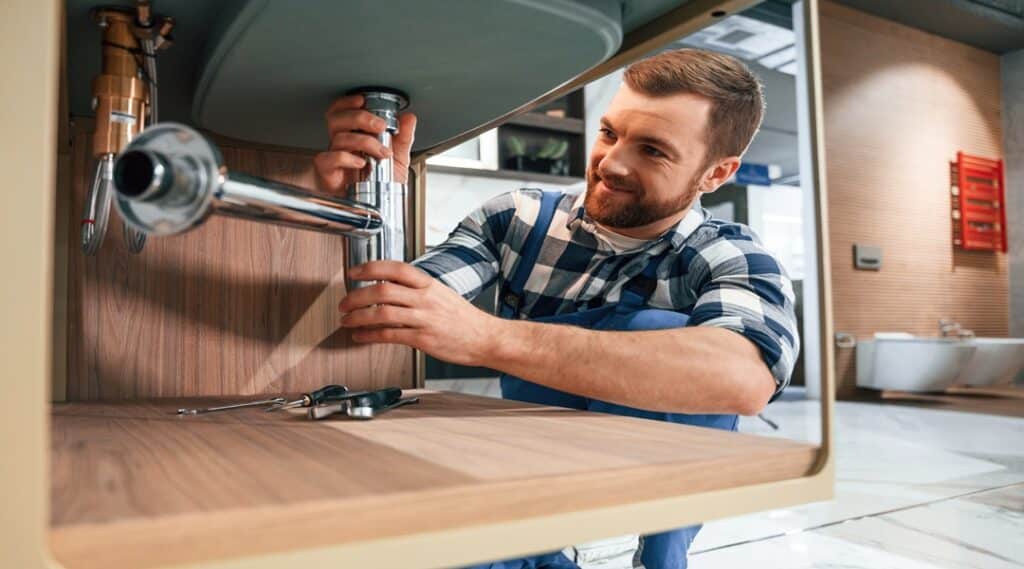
249, 197
379, 190
171, 178
389, 244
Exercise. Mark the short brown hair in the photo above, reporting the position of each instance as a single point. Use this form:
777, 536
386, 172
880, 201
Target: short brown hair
736, 95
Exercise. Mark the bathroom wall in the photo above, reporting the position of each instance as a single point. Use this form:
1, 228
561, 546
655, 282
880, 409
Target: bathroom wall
230, 308
898, 105
450, 197
1012, 65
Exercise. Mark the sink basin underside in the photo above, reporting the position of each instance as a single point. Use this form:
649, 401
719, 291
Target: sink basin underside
265, 70
276, 65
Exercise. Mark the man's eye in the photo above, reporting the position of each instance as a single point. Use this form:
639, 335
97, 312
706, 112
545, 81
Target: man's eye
607, 132
652, 151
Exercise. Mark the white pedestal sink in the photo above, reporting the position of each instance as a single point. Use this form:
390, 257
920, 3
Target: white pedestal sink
902, 362
996, 361
909, 363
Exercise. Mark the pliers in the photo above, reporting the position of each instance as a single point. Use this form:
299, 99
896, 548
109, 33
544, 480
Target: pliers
323, 395
363, 404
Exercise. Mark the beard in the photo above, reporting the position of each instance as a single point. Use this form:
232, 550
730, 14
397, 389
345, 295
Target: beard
632, 209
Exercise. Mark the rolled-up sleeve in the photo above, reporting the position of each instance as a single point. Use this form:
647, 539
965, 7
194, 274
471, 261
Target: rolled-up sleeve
468, 261
740, 286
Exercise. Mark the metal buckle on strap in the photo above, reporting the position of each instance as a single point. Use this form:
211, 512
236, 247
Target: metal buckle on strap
511, 299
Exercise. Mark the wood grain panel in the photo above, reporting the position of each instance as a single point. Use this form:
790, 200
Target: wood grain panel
233, 307
898, 105
134, 485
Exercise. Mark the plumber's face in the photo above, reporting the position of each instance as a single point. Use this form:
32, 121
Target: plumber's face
648, 162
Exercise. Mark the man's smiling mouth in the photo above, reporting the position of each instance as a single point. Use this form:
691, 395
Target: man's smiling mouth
615, 189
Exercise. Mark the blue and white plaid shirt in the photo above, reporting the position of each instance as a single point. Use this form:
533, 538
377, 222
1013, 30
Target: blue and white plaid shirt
715, 271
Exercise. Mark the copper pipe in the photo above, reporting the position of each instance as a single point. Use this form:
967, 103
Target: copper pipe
119, 95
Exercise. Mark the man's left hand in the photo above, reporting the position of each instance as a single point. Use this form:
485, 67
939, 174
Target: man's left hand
412, 308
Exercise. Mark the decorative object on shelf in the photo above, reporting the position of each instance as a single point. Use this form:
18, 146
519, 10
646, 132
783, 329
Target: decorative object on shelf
515, 153
978, 203
550, 158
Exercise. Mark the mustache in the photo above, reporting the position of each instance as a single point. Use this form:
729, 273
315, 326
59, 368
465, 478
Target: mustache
617, 183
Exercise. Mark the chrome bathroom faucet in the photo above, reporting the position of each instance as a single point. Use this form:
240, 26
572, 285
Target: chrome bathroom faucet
952, 329
171, 178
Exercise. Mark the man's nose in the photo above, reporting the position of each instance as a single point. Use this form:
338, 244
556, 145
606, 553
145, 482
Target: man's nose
613, 164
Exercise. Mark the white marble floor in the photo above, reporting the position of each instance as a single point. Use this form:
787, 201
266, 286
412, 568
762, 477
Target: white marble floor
915, 488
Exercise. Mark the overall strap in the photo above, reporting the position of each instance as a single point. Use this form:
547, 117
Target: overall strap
640, 288
512, 295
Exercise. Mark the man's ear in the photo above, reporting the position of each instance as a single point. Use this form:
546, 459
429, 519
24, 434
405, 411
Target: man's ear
718, 173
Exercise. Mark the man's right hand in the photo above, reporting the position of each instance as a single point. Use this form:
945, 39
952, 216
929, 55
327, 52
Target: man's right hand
353, 134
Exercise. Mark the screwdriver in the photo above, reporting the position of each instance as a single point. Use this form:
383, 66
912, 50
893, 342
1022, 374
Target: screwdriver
322, 395
275, 401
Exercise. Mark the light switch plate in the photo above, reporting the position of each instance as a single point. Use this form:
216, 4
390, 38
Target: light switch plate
867, 257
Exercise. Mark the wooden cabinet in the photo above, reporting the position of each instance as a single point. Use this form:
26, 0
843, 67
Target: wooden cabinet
451, 482
231, 307
134, 485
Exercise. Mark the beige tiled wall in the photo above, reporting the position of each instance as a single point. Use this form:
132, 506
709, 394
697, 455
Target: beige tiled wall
899, 103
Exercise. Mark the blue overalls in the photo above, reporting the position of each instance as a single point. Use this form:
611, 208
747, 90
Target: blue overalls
660, 551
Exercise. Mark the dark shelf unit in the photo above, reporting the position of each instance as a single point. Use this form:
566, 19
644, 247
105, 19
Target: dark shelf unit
536, 120
507, 174
559, 120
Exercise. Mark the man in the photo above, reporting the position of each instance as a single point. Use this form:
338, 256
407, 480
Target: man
672, 315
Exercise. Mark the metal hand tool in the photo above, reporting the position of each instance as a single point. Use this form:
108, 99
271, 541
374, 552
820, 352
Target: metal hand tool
363, 404
370, 412
376, 398
325, 394
274, 401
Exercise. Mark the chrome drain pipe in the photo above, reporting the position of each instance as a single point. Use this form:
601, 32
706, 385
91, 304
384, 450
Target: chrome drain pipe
171, 178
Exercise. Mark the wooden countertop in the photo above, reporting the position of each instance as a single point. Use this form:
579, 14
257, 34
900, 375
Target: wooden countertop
134, 485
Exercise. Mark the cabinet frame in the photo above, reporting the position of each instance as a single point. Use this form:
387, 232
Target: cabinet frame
30, 153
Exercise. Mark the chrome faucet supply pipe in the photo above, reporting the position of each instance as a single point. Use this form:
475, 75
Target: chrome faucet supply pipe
380, 190
171, 178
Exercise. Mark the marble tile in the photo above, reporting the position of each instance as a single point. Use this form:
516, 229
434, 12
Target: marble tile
995, 530
950, 430
847, 504
806, 550
1010, 498
881, 533
980, 531
886, 459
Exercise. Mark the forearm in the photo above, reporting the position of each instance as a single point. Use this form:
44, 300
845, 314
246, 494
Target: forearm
695, 369
685, 370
